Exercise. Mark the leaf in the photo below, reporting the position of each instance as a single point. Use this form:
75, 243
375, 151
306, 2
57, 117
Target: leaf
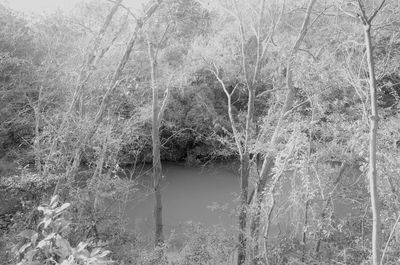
46, 221
30, 254
24, 247
82, 254
45, 210
62, 207
104, 253
43, 243
69, 261
34, 238
54, 200
64, 245
27, 233
50, 236
95, 252
81, 246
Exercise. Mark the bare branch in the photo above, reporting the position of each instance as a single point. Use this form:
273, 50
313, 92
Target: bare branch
376, 11
230, 113
363, 16
166, 97
350, 14
269, 91
295, 107
242, 41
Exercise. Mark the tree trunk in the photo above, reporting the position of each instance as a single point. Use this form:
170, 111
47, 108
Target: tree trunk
376, 230
244, 187
157, 168
269, 159
305, 228
38, 163
372, 150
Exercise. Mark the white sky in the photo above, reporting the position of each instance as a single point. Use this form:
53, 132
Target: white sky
40, 6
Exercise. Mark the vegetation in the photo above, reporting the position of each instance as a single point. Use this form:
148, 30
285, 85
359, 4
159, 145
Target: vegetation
303, 96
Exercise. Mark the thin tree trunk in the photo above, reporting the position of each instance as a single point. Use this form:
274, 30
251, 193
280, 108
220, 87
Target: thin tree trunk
157, 168
376, 230
304, 239
244, 184
245, 158
372, 151
36, 143
95, 181
243, 146
269, 159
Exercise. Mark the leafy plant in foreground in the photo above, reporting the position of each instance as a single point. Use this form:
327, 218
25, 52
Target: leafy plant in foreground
48, 245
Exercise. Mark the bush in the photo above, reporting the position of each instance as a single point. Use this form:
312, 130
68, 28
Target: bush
49, 245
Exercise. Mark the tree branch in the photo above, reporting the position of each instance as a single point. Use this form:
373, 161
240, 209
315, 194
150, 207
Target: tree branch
376, 11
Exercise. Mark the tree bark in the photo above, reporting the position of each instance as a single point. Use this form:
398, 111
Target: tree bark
373, 150
249, 129
373, 186
36, 144
157, 168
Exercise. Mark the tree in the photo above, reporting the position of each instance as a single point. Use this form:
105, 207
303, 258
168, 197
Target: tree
157, 114
376, 234
93, 55
112, 86
250, 72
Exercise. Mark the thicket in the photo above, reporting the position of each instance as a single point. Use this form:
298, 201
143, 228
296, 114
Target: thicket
56, 70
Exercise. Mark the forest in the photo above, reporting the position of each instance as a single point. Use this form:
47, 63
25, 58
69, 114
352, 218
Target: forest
293, 103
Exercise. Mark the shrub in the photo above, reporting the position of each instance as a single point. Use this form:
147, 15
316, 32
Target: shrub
49, 245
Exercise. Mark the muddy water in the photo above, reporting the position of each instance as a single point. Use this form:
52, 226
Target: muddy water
205, 195
209, 196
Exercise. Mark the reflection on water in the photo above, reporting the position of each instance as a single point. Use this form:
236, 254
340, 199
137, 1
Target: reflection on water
200, 195
209, 196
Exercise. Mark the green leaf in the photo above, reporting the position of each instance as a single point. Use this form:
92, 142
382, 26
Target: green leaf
45, 210
104, 253
27, 234
62, 208
50, 236
46, 221
63, 245
81, 246
69, 261
54, 201
82, 254
30, 254
43, 243
24, 247
34, 238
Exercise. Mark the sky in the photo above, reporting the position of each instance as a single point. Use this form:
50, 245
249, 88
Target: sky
48, 6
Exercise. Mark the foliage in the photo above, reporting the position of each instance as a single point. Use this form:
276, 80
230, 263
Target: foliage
322, 147
48, 245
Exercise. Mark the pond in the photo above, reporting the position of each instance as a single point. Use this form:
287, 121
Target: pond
210, 196
205, 195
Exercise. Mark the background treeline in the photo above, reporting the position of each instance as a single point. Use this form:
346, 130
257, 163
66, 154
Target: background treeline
57, 70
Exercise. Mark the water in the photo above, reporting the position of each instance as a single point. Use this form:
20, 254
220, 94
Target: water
188, 195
